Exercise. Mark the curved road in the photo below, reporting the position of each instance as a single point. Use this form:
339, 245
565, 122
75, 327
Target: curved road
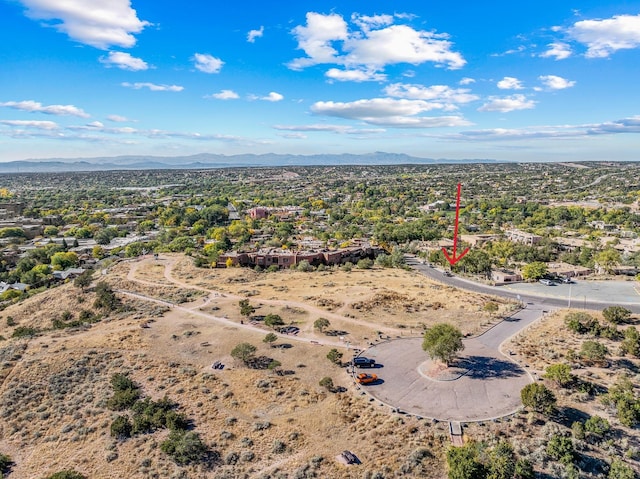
490, 381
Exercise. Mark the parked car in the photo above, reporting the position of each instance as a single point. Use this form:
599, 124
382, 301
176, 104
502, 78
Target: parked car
447, 273
546, 282
363, 362
567, 280
364, 378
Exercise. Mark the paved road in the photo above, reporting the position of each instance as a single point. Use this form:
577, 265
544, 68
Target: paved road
523, 294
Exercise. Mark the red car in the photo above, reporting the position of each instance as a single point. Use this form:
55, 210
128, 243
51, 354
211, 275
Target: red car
364, 378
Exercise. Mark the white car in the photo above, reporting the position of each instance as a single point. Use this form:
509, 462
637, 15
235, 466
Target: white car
546, 282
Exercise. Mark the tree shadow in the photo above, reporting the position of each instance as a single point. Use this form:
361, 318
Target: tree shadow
335, 332
568, 415
485, 367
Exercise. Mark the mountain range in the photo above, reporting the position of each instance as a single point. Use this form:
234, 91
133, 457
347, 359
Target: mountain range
208, 160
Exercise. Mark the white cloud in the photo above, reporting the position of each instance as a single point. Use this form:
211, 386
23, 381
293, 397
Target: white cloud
368, 22
293, 136
253, 34
626, 125
604, 37
510, 83
316, 38
374, 44
401, 44
40, 125
224, 95
124, 61
508, 103
207, 63
37, 107
272, 96
99, 23
117, 118
438, 93
152, 86
340, 129
558, 50
354, 75
466, 81
387, 112
553, 82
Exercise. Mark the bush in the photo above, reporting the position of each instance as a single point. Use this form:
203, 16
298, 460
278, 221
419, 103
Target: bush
105, 298
125, 394
561, 448
620, 470
502, 462
184, 447
327, 383
5, 464
24, 332
524, 470
121, 427
365, 263
463, 463
597, 425
538, 397
631, 343
593, 351
334, 356
68, 474
616, 314
582, 323
560, 373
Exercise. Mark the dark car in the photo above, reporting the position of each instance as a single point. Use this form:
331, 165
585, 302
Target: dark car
363, 362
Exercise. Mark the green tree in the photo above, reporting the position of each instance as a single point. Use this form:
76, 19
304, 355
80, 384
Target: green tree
334, 356
246, 309
184, 447
270, 338
560, 374
327, 383
243, 352
597, 426
608, 259
121, 427
561, 449
523, 470
534, 271
502, 461
463, 463
443, 341
616, 314
62, 260
84, 280
631, 343
105, 297
620, 470
273, 320
321, 323
538, 397
593, 351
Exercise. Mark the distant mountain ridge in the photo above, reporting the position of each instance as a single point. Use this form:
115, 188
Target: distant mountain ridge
209, 160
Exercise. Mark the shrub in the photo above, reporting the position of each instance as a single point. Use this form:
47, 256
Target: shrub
561, 448
326, 382
578, 430
620, 470
593, 351
616, 314
631, 343
279, 447
463, 463
126, 392
184, 447
334, 356
502, 462
24, 332
538, 397
597, 425
365, 263
121, 427
560, 373
67, 474
270, 338
582, 323
524, 470
5, 464
105, 298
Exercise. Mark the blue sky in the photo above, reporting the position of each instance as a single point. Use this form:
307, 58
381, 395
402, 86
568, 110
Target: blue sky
518, 81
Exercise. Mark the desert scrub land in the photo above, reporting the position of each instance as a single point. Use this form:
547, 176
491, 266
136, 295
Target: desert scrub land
591, 365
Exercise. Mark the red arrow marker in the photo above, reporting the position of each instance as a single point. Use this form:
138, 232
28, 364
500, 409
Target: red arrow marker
453, 259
